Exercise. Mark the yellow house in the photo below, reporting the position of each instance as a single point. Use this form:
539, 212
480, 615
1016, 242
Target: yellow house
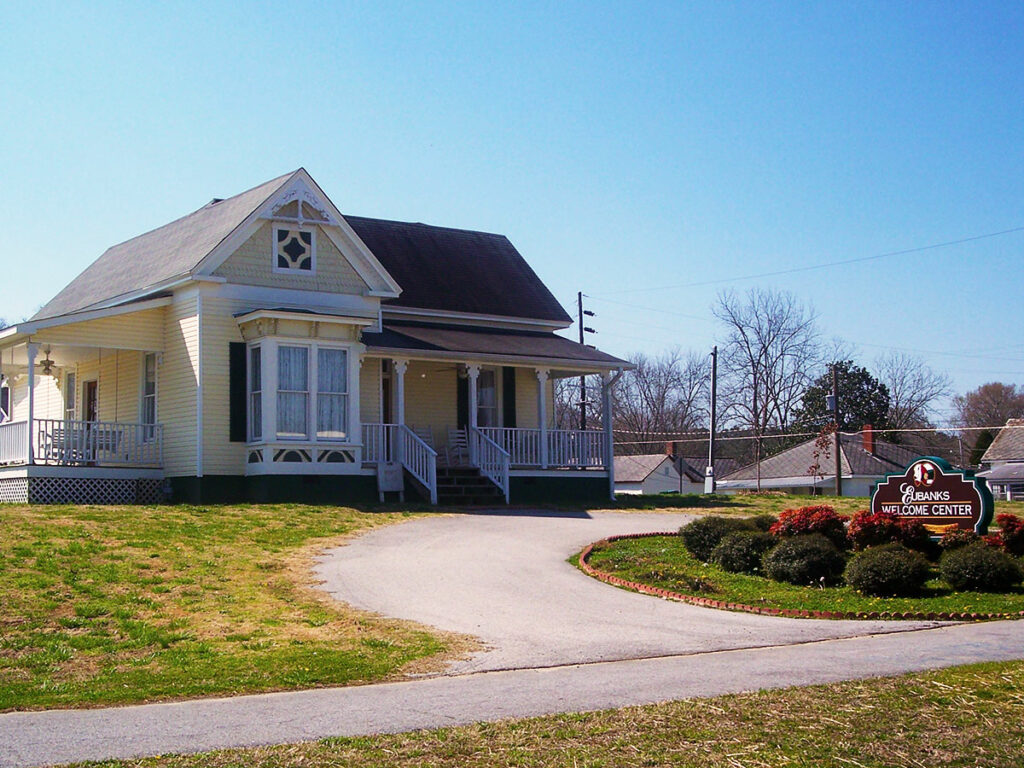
265, 347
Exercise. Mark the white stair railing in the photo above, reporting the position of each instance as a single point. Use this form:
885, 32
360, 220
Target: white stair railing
492, 460
385, 443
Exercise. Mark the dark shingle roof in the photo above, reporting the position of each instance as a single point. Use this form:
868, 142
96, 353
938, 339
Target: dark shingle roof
797, 461
457, 270
166, 252
465, 340
1009, 443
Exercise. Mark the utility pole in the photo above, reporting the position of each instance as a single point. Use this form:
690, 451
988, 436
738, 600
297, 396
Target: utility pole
835, 418
709, 474
583, 379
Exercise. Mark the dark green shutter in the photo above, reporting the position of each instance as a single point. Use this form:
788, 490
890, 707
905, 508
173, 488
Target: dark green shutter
462, 402
236, 387
508, 396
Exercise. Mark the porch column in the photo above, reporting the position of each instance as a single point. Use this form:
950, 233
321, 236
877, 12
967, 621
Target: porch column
542, 414
608, 380
472, 374
31, 350
399, 367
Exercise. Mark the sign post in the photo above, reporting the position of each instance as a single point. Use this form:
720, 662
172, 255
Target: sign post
938, 496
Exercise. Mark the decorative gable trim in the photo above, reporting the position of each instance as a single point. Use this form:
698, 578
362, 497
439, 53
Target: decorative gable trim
311, 203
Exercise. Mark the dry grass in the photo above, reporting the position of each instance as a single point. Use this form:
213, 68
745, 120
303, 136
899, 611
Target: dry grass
967, 716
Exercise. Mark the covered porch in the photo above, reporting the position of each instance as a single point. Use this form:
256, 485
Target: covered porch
78, 422
482, 398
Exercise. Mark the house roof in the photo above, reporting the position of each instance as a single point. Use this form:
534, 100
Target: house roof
437, 268
636, 469
469, 340
1009, 443
1004, 473
796, 462
457, 270
170, 251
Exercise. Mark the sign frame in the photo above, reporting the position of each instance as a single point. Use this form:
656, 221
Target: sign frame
980, 486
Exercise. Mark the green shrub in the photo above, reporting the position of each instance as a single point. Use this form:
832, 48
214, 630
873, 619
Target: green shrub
810, 559
979, 568
891, 570
742, 551
702, 535
763, 522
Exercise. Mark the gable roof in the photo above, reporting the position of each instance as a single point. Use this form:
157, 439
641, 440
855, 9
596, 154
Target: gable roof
1008, 445
796, 462
457, 270
438, 268
636, 469
162, 254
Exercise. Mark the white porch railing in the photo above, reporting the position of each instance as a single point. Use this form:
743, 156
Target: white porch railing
14, 442
566, 447
491, 458
100, 443
396, 442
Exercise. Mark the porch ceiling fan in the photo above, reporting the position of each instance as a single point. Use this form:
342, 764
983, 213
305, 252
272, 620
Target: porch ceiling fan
46, 365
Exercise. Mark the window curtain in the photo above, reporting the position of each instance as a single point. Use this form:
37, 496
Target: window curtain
332, 394
292, 392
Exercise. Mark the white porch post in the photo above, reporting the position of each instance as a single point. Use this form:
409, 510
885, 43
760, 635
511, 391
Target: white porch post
542, 414
472, 373
607, 382
31, 349
399, 367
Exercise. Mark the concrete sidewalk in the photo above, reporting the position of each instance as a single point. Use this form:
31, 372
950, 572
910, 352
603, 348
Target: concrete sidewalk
43, 738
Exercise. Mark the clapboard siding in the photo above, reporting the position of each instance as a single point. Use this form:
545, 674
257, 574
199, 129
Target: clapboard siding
220, 455
369, 391
135, 330
177, 388
430, 397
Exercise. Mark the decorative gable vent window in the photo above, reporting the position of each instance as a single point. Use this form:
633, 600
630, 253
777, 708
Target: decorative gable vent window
294, 250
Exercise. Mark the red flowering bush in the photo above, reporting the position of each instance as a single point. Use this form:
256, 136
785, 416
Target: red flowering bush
1011, 531
871, 529
958, 537
817, 519
994, 540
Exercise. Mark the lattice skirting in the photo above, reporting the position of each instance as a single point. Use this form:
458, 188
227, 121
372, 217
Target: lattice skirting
81, 490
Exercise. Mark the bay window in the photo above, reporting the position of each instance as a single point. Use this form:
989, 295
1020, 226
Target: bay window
299, 391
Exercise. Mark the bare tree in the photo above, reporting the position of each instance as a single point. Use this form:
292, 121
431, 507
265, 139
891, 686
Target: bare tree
662, 396
914, 389
770, 355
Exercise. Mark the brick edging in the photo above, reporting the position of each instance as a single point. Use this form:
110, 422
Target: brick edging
706, 602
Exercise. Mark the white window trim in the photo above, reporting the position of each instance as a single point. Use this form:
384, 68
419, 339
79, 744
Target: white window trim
312, 250
268, 346
142, 387
250, 436
77, 393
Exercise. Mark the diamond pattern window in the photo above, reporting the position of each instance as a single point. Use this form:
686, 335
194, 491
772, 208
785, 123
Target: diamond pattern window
294, 250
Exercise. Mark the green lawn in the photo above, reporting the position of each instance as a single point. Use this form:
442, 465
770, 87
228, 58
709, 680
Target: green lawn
663, 562
105, 605
965, 716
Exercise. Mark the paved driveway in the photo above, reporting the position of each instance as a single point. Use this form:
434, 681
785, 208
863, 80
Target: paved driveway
503, 577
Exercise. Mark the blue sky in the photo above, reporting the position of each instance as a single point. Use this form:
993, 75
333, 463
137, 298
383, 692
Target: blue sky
623, 148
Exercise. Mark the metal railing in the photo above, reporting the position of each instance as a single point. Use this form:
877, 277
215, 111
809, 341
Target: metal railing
384, 443
99, 443
492, 460
566, 447
14, 442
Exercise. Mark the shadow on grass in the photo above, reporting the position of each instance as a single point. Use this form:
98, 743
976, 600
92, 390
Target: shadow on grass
671, 501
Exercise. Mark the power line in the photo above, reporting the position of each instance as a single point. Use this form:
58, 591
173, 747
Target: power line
827, 265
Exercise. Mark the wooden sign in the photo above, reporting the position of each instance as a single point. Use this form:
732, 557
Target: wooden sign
938, 496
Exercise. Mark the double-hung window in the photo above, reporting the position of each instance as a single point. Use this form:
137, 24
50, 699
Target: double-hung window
255, 393
292, 392
149, 389
332, 394
486, 399
70, 395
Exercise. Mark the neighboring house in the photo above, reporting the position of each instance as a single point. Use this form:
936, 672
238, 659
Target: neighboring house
656, 473
864, 462
265, 347
1005, 459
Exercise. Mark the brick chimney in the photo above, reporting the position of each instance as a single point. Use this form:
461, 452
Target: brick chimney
868, 436
670, 449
